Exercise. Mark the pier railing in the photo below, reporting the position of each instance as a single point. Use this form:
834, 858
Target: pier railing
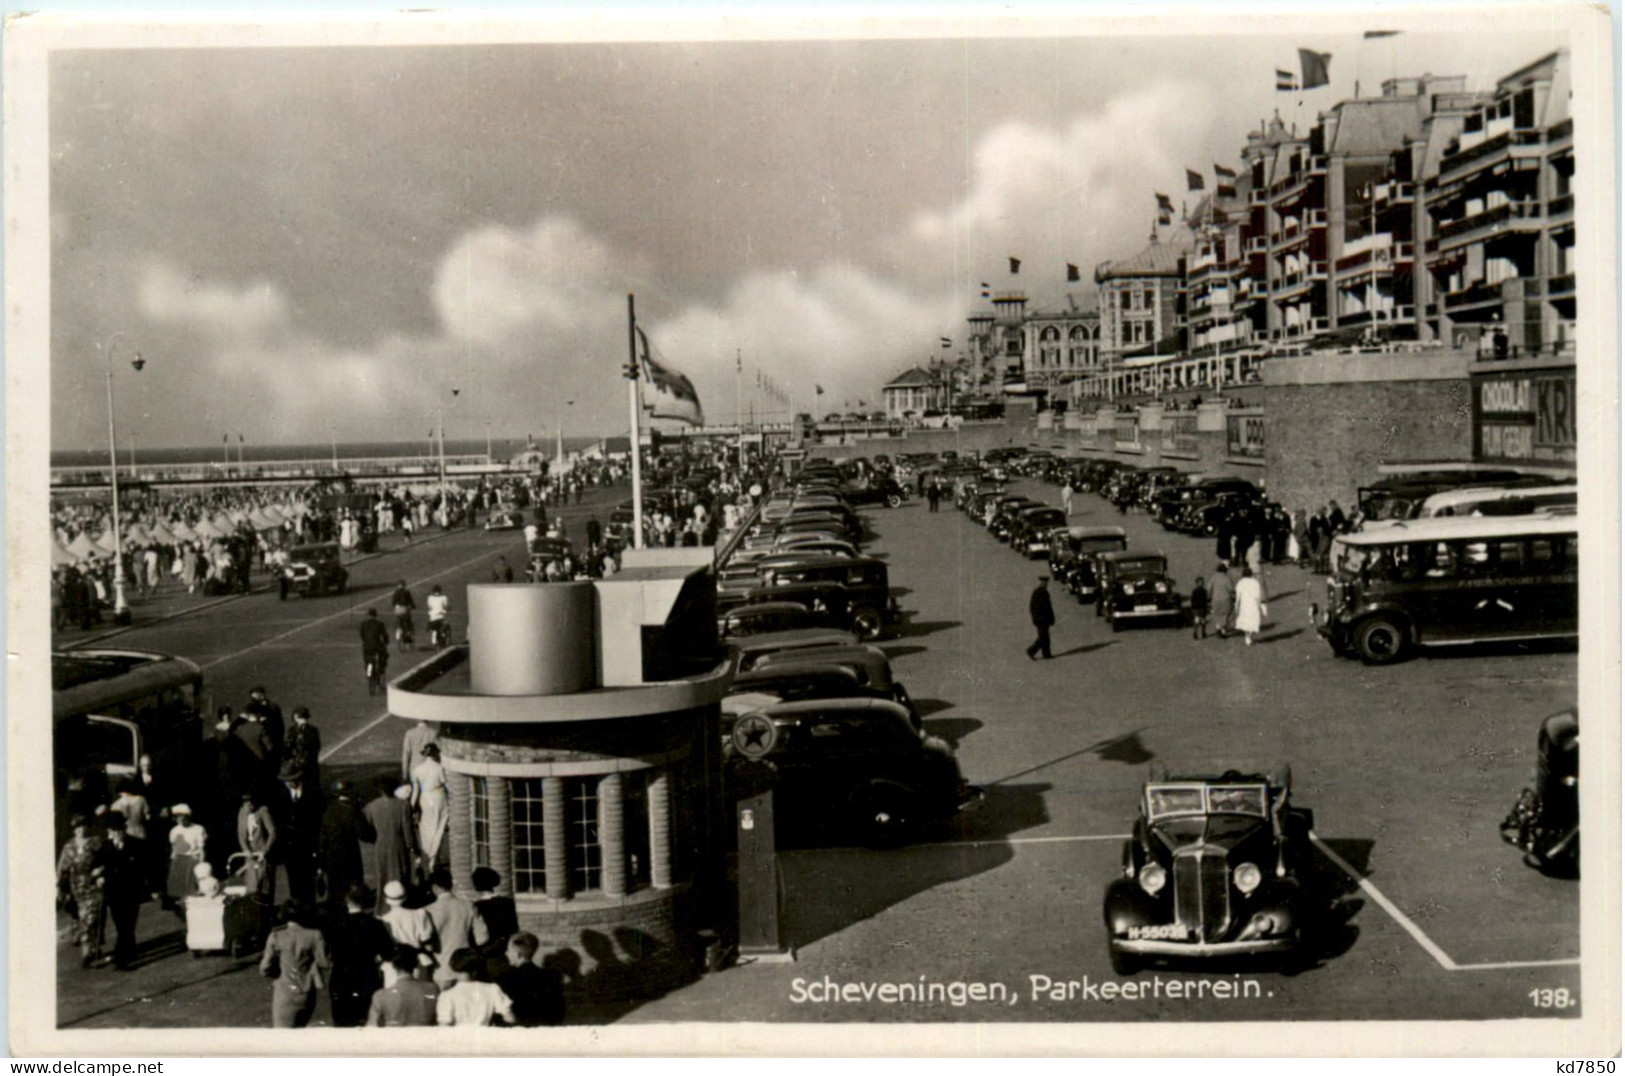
425, 466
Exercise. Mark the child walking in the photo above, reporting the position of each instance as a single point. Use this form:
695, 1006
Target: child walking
1199, 608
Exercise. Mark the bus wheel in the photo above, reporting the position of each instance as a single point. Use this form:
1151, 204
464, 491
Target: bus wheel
1380, 641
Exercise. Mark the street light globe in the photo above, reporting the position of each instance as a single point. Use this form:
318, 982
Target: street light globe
138, 362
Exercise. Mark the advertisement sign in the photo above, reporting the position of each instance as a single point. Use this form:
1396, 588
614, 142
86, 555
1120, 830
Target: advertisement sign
1128, 433
1245, 435
1179, 432
1524, 417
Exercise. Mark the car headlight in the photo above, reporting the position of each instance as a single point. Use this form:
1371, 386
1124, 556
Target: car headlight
1153, 878
1128, 588
1248, 877
1162, 588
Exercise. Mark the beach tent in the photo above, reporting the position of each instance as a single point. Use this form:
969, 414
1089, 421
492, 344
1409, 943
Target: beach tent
162, 534
261, 520
60, 556
182, 531
135, 534
106, 543
236, 515
206, 530
82, 546
224, 524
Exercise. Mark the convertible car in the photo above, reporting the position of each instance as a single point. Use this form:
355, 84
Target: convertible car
1210, 871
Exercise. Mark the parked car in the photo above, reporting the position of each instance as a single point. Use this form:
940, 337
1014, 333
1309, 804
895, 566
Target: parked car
1545, 821
754, 618
1210, 871
1073, 554
867, 664
315, 569
758, 647
796, 681
1136, 586
867, 582
1032, 530
857, 767
1003, 512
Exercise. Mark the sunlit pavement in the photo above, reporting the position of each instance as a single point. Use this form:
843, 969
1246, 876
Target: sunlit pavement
1408, 770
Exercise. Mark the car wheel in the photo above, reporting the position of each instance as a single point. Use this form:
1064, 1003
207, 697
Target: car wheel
1124, 963
887, 815
1380, 641
894, 501
867, 622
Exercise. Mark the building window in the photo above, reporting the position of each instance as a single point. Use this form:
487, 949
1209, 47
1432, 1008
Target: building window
635, 795
529, 848
480, 818
581, 824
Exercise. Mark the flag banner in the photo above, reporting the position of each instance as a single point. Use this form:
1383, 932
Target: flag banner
1372, 35
1193, 180
1072, 274
1015, 266
1285, 80
1225, 190
1222, 172
670, 394
820, 389
1316, 68
1165, 203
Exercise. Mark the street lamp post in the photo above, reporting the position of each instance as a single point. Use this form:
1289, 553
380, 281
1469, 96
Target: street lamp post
121, 606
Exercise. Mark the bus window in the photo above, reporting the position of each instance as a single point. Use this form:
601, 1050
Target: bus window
1543, 554
1474, 558
1572, 552
1510, 554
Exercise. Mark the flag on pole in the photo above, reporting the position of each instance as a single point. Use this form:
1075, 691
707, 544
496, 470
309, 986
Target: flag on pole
1316, 68
987, 290
1015, 266
1165, 217
1372, 35
673, 394
1072, 274
1222, 172
946, 342
1193, 180
820, 389
1285, 80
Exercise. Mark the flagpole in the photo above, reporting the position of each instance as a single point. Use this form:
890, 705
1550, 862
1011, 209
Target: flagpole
739, 410
632, 408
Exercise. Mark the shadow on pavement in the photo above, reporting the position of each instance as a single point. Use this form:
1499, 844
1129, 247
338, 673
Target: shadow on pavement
895, 652
953, 729
926, 707
1333, 898
1278, 636
1086, 648
911, 629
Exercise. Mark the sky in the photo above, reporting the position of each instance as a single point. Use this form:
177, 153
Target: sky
303, 240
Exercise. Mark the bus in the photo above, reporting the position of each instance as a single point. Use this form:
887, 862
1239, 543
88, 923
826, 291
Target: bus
110, 707
1500, 501
1452, 581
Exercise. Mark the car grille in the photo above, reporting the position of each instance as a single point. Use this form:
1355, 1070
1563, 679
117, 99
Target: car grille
1202, 892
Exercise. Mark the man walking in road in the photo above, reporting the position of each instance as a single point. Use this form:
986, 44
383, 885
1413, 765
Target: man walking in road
1066, 497
374, 650
1043, 617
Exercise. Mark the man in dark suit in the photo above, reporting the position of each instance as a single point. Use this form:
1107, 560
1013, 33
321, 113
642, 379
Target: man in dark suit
537, 993
1043, 616
299, 824
125, 887
270, 716
344, 830
374, 649
358, 942
403, 1001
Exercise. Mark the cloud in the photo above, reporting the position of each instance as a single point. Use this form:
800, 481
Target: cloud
219, 311
1080, 193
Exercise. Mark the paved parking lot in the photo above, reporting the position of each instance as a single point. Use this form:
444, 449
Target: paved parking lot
1408, 770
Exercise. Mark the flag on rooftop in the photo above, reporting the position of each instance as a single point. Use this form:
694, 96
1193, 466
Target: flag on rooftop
670, 394
946, 342
1222, 172
1165, 203
1193, 180
1316, 68
1015, 266
1072, 275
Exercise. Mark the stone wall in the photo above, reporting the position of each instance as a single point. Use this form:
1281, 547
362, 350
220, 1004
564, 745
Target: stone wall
1334, 420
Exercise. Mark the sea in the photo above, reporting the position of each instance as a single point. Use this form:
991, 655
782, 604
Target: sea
501, 449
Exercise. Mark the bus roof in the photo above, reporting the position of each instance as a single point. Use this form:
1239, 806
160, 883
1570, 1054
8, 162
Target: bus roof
1448, 528
1451, 498
86, 680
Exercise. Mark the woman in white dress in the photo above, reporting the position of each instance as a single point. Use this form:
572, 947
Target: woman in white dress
187, 841
1250, 608
429, 796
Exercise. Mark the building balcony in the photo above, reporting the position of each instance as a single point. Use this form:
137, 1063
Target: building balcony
1257, 196
1488, 152
1394, 193
1560, 287
1507, 217
1317, 218
1473, 295
1378, 316
1256, 244
1560, 207
1291, 240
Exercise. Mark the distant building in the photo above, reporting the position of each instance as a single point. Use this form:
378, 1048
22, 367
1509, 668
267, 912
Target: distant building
911, 393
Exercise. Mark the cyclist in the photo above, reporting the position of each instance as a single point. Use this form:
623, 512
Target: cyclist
438, 606
405, 634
